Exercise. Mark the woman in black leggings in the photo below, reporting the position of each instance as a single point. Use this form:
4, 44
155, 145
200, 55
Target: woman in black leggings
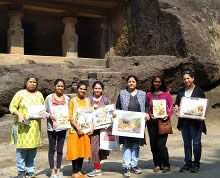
56, 135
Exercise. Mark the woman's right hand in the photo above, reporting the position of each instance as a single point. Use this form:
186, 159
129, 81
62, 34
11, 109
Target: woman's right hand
21, 118
79, 132
147, 117
177, 110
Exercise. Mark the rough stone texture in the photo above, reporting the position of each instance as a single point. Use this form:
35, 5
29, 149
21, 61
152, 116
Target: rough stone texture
111, 81
13, 77
144, 67
213, 103
186, 29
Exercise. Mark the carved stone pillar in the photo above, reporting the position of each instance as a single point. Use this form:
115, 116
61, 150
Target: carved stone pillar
15, 33
103, 26
70, 38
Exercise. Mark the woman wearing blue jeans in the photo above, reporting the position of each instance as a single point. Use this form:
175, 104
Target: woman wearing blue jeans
131, 99
191, 129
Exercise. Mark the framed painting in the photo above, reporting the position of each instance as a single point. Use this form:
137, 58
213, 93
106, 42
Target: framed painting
159, 108
193, 107
84, 118
102, 117
61, 114
36, 111
129, 124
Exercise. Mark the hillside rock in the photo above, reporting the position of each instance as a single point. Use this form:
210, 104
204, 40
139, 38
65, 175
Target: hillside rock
189, 30
13, 77
144, 67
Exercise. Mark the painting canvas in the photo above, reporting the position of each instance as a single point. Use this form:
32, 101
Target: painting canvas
84, 118
61, 114
159, 108
108, 141
128, 123
193, 107
36, 111
102, 117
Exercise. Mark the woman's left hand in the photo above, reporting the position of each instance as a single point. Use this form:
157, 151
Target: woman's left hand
95, 106
44, 115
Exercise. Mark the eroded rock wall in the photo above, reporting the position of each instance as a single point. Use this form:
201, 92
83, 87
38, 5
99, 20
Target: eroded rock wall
160, 29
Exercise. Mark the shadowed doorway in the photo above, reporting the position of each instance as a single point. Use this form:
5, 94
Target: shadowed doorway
89, 34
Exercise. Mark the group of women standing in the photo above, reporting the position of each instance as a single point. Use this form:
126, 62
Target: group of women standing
80, 145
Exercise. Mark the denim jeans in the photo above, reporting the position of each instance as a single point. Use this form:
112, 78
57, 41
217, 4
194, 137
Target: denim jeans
130, 155
191, 135
25, 157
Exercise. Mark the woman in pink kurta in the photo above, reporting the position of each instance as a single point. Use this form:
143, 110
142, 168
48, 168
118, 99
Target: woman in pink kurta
159, 150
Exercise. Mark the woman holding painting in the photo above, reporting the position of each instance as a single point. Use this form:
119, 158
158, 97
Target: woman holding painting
131, 99
158, 141
191, 129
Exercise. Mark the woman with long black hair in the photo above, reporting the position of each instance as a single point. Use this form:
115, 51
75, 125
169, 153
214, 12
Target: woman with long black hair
159, 91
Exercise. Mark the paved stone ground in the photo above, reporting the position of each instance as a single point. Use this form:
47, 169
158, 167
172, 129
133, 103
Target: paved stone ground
210, 163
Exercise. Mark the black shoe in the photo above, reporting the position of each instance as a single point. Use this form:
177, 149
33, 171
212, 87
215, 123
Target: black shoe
166, 169
136, 170
195, 168
30, 175
126, 173
186, 167
21, 174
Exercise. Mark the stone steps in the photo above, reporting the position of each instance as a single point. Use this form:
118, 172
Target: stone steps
80, 62
8, 59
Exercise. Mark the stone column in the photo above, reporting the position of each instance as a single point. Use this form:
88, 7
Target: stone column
103, 40
70, 38
15, 33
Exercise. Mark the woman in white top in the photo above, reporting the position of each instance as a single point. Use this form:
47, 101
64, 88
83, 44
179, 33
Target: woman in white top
56, 136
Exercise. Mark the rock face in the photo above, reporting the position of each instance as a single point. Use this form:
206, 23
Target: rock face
144, 67
13, 77
164, 37
189, 30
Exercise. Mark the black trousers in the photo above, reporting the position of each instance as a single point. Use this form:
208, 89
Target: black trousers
56, 142
158, 145
77, 165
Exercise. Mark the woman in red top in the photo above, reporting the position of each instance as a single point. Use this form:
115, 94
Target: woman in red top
97, 100
159, 150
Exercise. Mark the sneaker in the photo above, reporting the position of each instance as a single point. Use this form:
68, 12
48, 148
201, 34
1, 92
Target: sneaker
30, 175
21, 174
186, 167
136, 170
126, 173
94, 173
166, 169
53, 176
156, 169
195, 168
58, 176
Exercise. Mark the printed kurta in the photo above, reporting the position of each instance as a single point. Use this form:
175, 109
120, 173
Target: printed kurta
77, 146
27, 136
